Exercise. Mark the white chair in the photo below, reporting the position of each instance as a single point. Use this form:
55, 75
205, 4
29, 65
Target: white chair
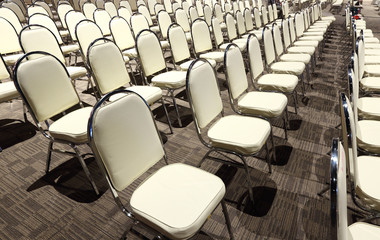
268, 105
338, 193
218, 13
126, 5
193, 14
153, 66
111, 9
179, 48
32, 9
102, 19
123, 36
249, 24
164, 20
295, 68
88, 10
62, 9
38, 38
125, 13
207, 14
9, 46
109, 73
46, 98
11, 17
72, 18
16, 9
161, 201
219, 39
233, 134
145, 12
232, 33
284, 83
182, 20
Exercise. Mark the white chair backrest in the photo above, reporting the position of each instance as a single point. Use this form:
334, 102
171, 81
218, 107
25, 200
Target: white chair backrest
227, 8
46, 21
38, 38
217, 31
292, 30
4, 73
257, 16
209, 3
32, 9
248, 20
207, 14
76, 5
285, 33
140, 2
203, 91
178, 43
264, 15
231, 27
270, 54
138, 23
151, 4
122, 33
110, 8
150, 53
186, 6
240, 23
199, 7
21, 5
16, 10
158, 7
168, 6
235, 7
117, 3
270, 13
201, 36
107, 65
193, 13
58, 93
88, 10
300, 27
72, 18
182, 19
241, 6
99, 4
360, 51
274, 8
45, 6
8, 38
125, 13
102, 19
254, 55
126, 5
235, 72
128, 125
218, 12
164, 21
62, 10
86, 32
144, 11
279, 47
11, 17
175, 6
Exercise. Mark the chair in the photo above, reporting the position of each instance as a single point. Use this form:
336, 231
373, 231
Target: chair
110, 8
267, 105
16, 9
218, 13
126, 5
207, 14
249, 24
32, 9
366, 70
202, 43
182, 20
168, 6
11, 17
125, 13
238, 135
284, 83
72, 18
123, 36
199, 8
164, 20
62, 9
296, 68
109, 73
338, 193
145, 12
46, 6
99, 4
102, 19
38, 38
193, 14
179, 47
232, 34
88, 10
119, 133
362, 169
153, 66
43, 20
9, 46
54, 98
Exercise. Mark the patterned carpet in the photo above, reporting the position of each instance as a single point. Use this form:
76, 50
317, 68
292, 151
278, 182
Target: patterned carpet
62, 205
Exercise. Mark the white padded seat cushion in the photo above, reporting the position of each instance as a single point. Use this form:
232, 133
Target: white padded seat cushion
265, 104
304, 58
315, 31
149, 93
328, 18
306, 43
155, 29
76, 72
258, 33
72, 127
241, 134
367, 135
12, 59
367, 180
8, 91
372, 70
177, 199
131, 53
64, 33
362, 230
188, 36
172, 79
241, 45
300, 49
370, 84
285, 83
216, 56
371, 40
69, 48
165, 44
295, 68
185, 66
223, 26
368, 108
311, 38
373, 59
372, 46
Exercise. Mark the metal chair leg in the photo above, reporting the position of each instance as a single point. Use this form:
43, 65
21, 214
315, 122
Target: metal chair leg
295, 101
84, 166
167, 115
286, 123
273, 146
250, 193
268, 158
48, 159
176, 109
227, 217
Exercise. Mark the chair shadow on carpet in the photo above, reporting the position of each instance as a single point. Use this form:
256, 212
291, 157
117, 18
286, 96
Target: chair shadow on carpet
14, 131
